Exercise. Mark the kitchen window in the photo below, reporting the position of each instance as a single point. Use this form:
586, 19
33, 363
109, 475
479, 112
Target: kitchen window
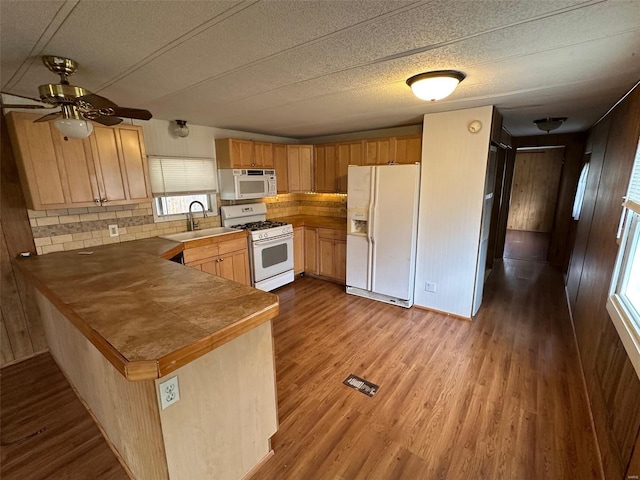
176, 182
623, 303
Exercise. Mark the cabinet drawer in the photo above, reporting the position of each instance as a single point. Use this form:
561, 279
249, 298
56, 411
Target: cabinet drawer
331, 234
232, 245
198, 253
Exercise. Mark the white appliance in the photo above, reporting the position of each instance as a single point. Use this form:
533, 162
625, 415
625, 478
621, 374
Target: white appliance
270, 244
246, 184
382, 223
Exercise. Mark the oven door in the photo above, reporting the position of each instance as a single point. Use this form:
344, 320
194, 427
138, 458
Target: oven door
271, 257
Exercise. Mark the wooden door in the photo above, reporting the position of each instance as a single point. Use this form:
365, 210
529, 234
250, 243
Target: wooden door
241, 153
282, 170
293, 167
325, 256
409, 149
298, 250
534, 192
310, 250
325, 168
76, 165
306, 168
133, 161
340, 260
349, 153
263, 154
104, 143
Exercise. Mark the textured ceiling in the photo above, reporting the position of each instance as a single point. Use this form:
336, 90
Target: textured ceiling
306, 68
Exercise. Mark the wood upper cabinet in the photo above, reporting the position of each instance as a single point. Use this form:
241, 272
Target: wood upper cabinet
234, 153
408, 149
300, 163
262, 155
282, 170
325, 169
348, 153
227, 259
379, 151
109, 166
298, 250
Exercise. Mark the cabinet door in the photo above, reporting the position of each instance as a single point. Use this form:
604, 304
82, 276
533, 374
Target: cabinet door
133, 161
325, 168
347, 154
306, 168
409, 149
293, 166
263, 154
325, 257
241, 153
340, 260
379, 151
282, 170
55, 173
210, 266
298, 250
104, 143
235, 266
310, 250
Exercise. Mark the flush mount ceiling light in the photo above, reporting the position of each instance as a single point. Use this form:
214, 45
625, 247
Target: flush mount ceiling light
181, 129
548, 124
436, 85
73, 124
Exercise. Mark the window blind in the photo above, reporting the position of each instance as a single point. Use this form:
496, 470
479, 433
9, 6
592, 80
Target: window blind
633, 193
182, 176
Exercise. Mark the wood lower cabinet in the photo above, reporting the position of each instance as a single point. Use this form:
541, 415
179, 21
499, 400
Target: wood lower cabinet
310, 250
225, 258
107, 168
299, 164
282, 169
332, 254
298, 250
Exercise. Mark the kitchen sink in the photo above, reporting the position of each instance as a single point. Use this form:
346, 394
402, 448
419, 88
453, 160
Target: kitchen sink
196, 234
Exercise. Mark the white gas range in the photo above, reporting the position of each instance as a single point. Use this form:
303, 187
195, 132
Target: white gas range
270, 244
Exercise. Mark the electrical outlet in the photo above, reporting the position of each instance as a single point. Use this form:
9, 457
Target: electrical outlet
430, 287
113, 230
169, 392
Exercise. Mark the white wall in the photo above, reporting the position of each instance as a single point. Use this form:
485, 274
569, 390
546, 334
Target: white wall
160, 140
454, 163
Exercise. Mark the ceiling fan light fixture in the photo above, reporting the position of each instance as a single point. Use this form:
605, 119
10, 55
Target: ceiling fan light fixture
548, 124
72, 124
181, 129
436, 85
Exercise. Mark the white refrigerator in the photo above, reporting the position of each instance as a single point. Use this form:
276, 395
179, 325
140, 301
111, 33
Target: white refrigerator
382, 223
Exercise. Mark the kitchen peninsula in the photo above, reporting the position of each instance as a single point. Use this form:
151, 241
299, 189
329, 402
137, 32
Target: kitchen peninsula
122, 320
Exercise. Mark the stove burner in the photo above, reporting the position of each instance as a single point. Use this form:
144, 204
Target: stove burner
254, 226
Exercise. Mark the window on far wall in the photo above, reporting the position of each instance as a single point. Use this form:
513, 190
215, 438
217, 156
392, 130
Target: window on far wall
623, 303
179, 204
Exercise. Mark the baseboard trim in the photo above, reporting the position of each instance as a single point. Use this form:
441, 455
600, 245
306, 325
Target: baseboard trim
258, 465
22, 359
428, 309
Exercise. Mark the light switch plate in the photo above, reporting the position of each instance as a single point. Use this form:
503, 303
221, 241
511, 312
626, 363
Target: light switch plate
169, 392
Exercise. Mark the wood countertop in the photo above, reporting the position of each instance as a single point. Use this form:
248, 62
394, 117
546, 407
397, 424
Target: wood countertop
146, 315
335, 223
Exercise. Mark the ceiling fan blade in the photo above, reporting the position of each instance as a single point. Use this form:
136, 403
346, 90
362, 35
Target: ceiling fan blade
96, 101
107, 120
48, 117
132, 113
38, 107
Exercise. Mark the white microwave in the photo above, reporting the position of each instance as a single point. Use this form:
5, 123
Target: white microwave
244, 184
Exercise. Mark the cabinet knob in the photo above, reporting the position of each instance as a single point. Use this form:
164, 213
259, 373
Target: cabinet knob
97, 200
222, 259
103, 200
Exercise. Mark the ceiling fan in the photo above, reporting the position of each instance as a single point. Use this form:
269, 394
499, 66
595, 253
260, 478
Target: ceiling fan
77, 105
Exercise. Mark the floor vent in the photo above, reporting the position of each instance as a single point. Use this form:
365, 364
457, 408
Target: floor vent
361, 385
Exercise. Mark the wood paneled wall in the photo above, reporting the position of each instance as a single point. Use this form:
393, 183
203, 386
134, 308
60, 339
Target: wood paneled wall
612, 384
574, 147
21, 333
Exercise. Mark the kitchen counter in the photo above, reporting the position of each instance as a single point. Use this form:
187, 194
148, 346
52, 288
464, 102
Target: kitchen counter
146, 315
335, 223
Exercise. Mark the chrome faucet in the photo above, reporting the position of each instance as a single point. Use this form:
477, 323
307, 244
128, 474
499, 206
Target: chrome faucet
194, 225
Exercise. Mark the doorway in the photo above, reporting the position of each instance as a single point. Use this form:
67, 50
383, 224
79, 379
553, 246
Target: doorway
532, 207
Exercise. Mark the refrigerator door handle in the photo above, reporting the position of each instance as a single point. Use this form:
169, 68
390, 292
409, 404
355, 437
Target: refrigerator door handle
372, 228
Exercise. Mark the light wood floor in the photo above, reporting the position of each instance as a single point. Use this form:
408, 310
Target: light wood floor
524, 245
498, 398
46, 431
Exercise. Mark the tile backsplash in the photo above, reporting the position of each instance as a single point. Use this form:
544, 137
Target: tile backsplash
77, 228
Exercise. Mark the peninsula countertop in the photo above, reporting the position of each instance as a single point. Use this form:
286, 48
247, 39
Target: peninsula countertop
318, 221
148, 316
